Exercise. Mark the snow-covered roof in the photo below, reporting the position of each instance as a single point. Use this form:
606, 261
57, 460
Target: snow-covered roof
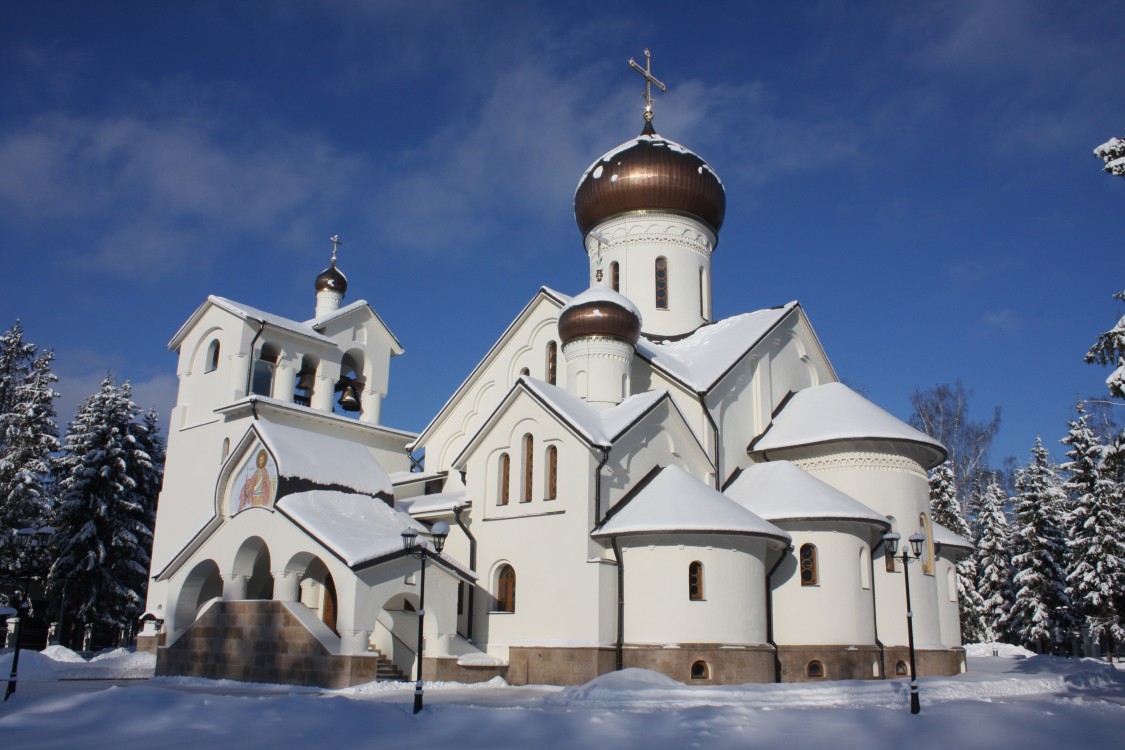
598, 426
358, 305
441, 502
943, 537
780, 491
268, 403
833, 412
600, 292
324, 460
246, 312
701, 359
411, 477
674, 502
356, 527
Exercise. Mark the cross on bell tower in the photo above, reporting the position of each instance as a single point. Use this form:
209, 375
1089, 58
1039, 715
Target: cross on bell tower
650, 80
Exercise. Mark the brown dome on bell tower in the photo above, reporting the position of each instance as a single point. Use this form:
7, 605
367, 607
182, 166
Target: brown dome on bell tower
649, 173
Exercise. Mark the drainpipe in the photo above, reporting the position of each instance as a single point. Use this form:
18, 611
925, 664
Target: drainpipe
598, 486
620, 646
875, 616
769, 612
718, 447
472, 566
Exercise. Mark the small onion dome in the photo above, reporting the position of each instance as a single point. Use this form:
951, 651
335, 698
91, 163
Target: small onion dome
331, 280
651, 173
600, 311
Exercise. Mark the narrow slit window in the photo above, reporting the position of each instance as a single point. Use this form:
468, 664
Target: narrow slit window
615, 276
552, 362
528, 468
505, 474
661, 283
552, 473
695, 581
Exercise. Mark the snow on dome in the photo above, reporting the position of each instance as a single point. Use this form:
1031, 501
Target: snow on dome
358, 528
324, 460
701, 359
676, 502
600, 311
780, 491
833, 413
649, 172
332, 279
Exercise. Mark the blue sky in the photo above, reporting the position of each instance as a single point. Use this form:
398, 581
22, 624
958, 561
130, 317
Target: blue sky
918, 175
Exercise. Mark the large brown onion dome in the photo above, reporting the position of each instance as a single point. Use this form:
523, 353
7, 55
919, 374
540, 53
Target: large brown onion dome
330, 279
650, 173
600, 311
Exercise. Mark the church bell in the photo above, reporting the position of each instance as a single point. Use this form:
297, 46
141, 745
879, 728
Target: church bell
349, 398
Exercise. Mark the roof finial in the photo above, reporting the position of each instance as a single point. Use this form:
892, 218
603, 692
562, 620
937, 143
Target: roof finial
650, 79
335, 240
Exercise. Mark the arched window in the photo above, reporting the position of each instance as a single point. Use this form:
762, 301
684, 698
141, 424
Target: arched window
814, 670
700, 671
889, 560
552, 362
552, 473
212, 357
864, 567
900, 668
695, 581
661, 283
809, 574
615, 276
226, 450
306, 381
525, 371
928, 545
505, 472
528, 468
262, 381
702, 306
506, 589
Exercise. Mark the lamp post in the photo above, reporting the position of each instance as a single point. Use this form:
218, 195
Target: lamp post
438, 533
27, 540
916, 540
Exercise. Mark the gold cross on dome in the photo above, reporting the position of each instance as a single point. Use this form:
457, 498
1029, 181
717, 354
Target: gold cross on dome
650, 79
335, 240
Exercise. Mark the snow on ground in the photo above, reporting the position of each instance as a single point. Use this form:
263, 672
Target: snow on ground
1009, 701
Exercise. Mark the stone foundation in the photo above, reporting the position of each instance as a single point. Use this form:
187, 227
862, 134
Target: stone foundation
150, 643
837, 662
939, 662
261, 641
574, 666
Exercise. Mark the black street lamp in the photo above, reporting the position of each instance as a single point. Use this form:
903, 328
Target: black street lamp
438, 534
27, 540
916, 541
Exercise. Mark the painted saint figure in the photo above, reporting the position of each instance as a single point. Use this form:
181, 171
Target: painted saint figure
257, 490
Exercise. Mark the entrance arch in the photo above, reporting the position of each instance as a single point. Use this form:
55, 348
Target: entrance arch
252, 563
201, 585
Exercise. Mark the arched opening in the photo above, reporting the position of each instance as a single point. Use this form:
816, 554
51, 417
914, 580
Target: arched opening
506, 589
552, 364
201, 585
252, 561
261, 382
351, 383
394, 633
226, 450
615, 276
900, 668
528, 468
695, 581
810, 575
551, 491
928, 545
212, 356
814, 670
306, 380
504, 472
661, 283
700, 670
888, 560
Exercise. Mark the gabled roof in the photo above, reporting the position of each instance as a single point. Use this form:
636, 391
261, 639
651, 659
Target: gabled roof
780, 491
441, 502
558, 298
324, 460
357, 307
674, 502
943, 537
597, 427
357, 528
831, 413
246, 313
701, 359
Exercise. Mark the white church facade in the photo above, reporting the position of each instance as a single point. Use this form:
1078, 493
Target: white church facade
629, 483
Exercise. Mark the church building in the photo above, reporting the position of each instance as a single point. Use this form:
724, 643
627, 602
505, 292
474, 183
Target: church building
628, 483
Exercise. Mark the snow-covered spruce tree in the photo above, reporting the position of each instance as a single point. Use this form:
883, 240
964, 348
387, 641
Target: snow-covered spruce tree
1096, 532
1041, 615
946, 510
28, 437
994, 565
104, 529
1109, 349
1112, 152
